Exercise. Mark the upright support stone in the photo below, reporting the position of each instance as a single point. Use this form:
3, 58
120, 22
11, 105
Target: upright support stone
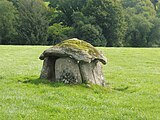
48, 69
92, 73
67, 71
45, 69
98, 74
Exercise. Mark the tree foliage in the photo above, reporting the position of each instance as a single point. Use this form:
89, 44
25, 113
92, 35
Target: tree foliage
33, 24
57, 33
8, 15
141, 19
101, 22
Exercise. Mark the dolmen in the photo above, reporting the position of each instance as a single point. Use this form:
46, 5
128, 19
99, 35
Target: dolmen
73, 61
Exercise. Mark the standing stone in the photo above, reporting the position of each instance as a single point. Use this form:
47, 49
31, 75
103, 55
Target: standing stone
98, 74
92, 73
48, 69
67, 71
45, 69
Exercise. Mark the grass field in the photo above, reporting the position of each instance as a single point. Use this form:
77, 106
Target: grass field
133, 75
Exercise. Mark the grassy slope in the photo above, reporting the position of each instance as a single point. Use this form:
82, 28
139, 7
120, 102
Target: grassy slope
134, 75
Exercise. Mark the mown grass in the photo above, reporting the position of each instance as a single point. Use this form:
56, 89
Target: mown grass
133, 75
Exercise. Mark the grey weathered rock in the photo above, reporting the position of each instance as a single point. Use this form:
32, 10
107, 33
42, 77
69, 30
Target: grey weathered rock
45, 69
67, 70
48, 69
73, 61
92, 73
77, 49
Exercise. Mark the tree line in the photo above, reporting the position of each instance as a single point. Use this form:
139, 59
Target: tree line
130, 23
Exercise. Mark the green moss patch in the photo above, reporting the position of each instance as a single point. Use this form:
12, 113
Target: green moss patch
79, 45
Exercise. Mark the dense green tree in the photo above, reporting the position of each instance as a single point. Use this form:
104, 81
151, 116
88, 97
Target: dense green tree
143, 26
144, 7
57, 32
155, 3
138, 31
154, 35
8, 15
109, 16
86, 29
100, 22
158, 9
67, 8
98, 19
92, 34
33, 23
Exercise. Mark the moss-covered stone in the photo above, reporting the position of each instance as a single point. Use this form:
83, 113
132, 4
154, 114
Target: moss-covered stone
79, 50
79, 45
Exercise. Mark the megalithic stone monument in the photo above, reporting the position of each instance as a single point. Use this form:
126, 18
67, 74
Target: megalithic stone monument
73, 61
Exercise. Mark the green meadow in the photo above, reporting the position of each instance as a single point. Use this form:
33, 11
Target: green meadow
133, 92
